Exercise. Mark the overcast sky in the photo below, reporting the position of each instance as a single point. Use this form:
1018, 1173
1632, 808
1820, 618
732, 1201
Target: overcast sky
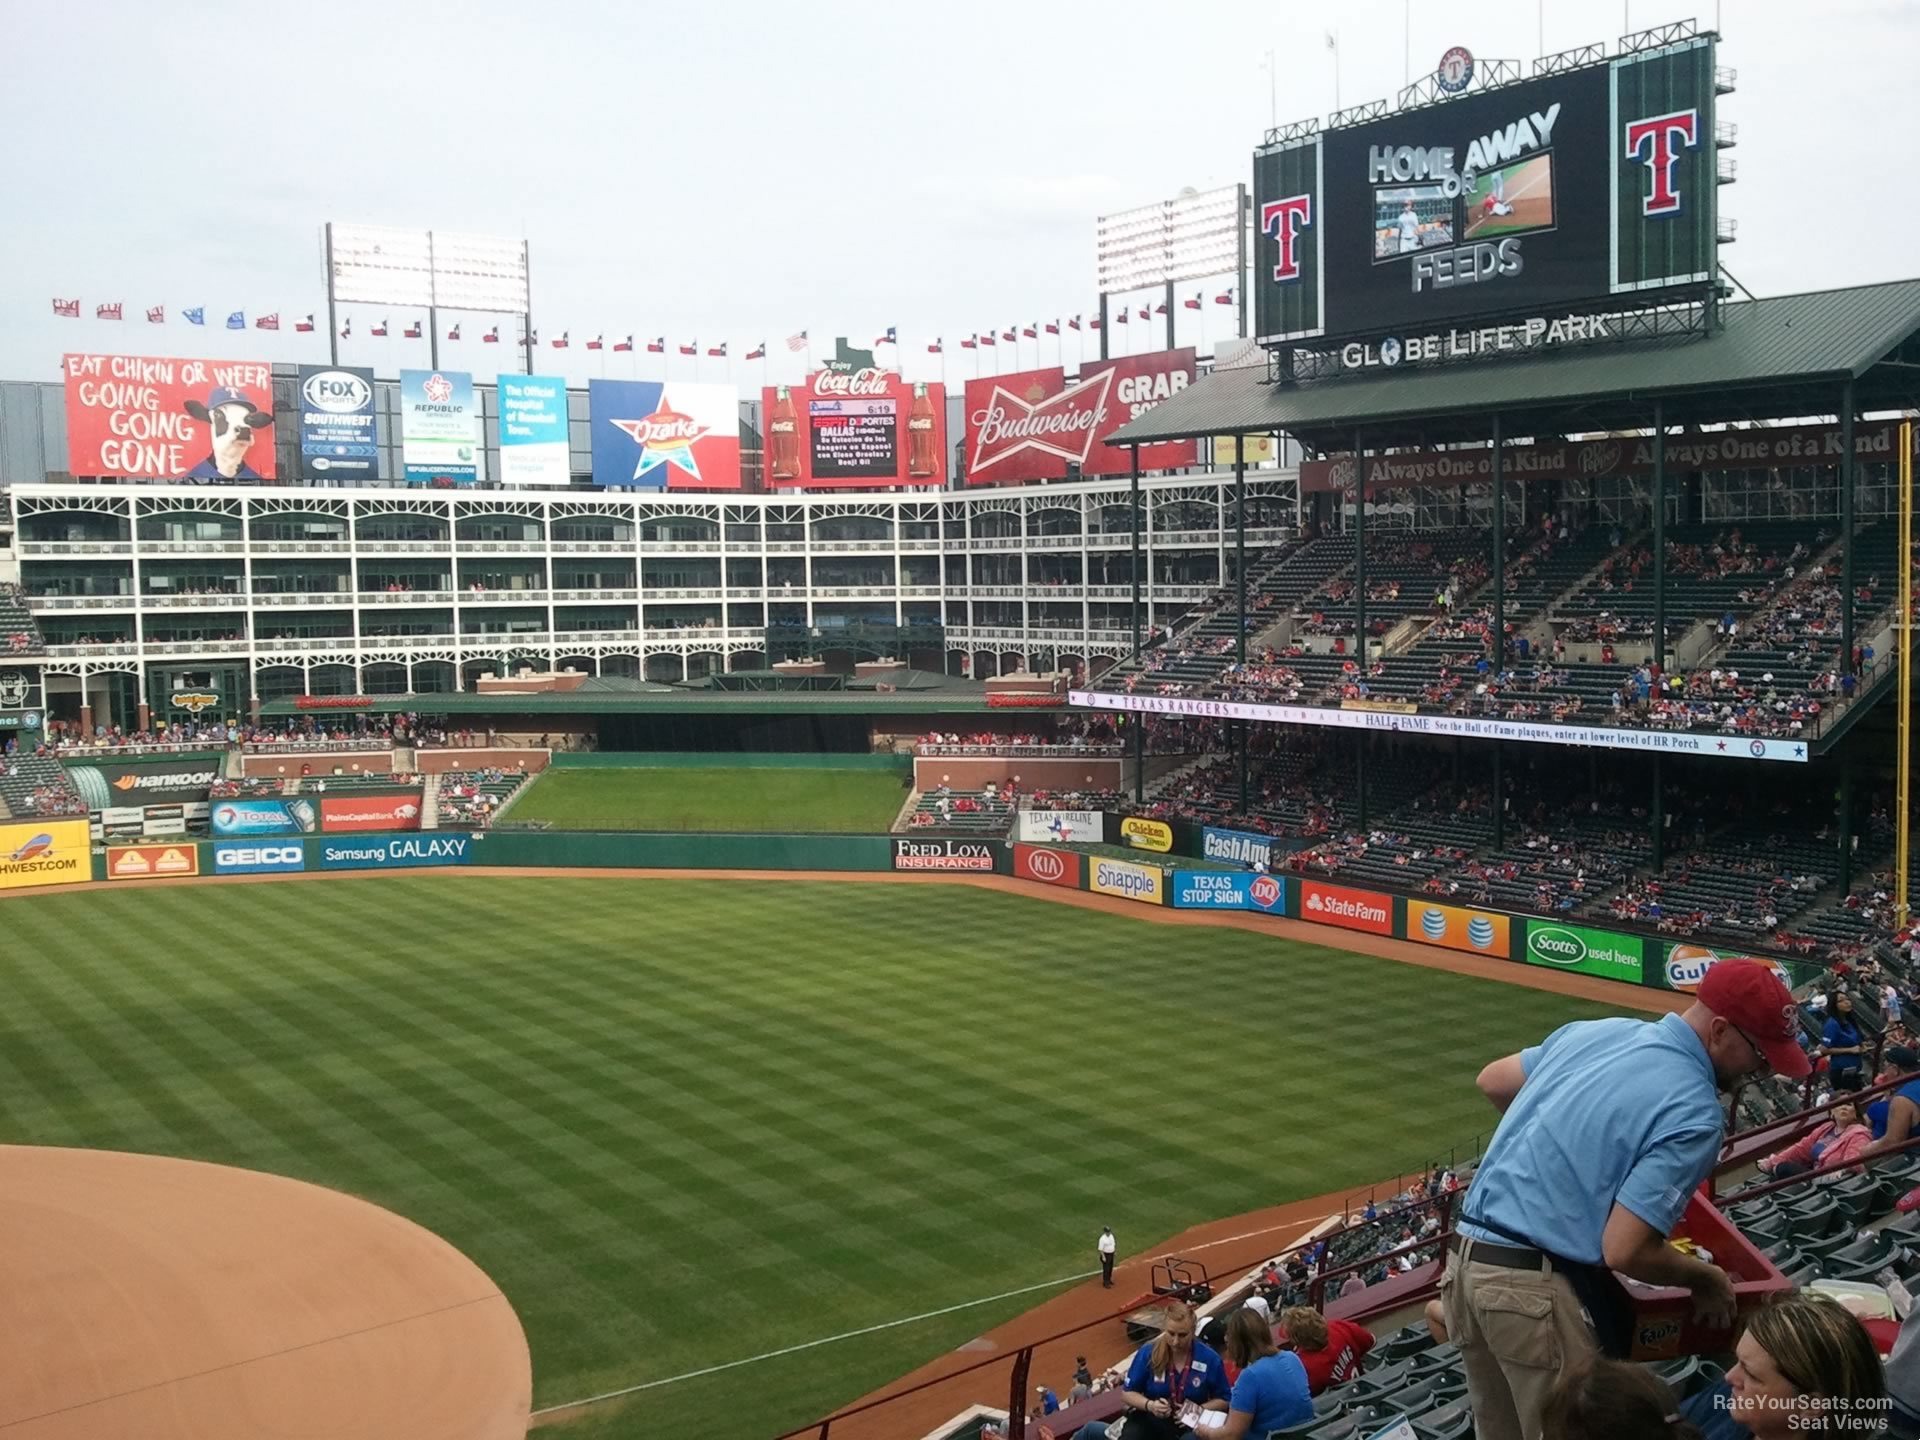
741, 170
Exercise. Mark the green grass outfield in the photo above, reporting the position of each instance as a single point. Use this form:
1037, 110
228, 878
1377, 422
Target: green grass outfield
686, 1122
856, 801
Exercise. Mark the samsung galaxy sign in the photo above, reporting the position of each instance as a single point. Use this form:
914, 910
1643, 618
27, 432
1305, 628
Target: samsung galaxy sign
1534, 334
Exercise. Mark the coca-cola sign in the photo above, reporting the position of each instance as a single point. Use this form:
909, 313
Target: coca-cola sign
864, 428
1033, 425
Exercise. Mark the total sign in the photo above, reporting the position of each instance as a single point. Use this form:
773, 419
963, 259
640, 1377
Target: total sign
1586, 952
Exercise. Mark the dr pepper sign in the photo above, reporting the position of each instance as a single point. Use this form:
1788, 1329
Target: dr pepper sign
1033, 425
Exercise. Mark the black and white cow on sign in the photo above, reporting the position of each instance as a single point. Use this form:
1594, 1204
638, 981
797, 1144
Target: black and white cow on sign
234, 421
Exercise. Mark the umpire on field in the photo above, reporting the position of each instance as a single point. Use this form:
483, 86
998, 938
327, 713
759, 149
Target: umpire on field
1609, 1127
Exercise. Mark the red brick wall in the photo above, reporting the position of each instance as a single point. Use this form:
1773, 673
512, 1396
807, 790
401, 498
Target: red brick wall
440, 762
346, 762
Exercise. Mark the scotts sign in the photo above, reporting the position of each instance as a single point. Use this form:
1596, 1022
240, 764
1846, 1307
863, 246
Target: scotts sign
1585, 952
1032, 425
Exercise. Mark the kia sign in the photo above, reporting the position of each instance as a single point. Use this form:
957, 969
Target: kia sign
1032, 425
1349, 909
654, 435
974, 855
409, 853
1048, 867
1145, 883
257, 859
1478, 932
861, 429
1584, 951
165, 419
352, 813
336, 423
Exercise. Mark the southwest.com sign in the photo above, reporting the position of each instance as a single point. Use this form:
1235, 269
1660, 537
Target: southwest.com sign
1586, 952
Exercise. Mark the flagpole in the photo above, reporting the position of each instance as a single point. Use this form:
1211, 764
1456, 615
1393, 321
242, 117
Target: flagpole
333, 320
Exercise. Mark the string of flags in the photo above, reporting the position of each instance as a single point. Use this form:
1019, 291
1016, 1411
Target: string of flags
415, 329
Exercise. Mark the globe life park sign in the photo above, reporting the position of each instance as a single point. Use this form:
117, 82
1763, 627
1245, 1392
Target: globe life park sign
1532, 335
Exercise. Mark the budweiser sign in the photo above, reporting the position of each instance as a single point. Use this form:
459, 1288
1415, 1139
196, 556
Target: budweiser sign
853, 382
1063, 425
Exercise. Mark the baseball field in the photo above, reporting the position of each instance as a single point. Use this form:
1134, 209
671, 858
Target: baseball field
685, 1123
717, 798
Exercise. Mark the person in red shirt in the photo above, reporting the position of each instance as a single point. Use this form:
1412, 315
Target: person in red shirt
1332, 1350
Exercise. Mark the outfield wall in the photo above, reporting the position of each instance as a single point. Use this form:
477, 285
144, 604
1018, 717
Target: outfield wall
47, 854
712, 760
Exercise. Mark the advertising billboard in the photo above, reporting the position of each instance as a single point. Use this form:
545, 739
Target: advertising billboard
1239, 847
1585, 951
336, 423
439, 427
1060, 827
1228, 890
855, 429
264, 817
1552, 195
108, 786
258, 859
45, 852
396, 853
975, 855
1048, 867
1687, 966
159, 418
1144, 834
1145, 883
349, 814
533, 430
151, 862
1349, 909
664, 435
1032, 425
1478, 932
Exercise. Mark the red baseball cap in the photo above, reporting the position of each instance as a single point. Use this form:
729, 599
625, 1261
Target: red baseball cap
1749, 994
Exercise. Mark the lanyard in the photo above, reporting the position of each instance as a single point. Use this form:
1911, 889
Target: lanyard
1177, 1381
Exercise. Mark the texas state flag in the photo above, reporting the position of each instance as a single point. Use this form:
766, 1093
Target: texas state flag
664, 435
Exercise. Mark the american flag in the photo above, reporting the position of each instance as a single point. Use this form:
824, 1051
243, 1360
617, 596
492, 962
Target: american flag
106, 312
267, 322
68, 308
797, 342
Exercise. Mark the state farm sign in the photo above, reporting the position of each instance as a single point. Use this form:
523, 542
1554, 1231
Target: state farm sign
1349, 909
1032, 425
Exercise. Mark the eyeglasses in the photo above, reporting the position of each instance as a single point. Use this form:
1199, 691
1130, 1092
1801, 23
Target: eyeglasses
1758, 1053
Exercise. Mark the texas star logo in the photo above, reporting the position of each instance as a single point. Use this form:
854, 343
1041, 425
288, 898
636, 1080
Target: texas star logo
665, 437
438, 388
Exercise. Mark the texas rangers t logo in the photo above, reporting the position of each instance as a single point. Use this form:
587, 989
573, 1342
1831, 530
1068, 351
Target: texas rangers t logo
1284, 220
1662, 138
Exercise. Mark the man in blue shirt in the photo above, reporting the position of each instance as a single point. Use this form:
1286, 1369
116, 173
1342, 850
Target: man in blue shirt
1609, 1128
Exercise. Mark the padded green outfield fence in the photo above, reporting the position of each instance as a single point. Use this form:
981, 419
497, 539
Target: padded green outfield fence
708, 760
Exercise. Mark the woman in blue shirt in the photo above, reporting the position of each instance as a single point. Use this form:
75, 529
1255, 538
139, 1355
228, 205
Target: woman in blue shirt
1169, 1373
1841, 1039
1271, 1392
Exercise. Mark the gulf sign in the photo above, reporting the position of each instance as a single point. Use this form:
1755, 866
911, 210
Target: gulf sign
1048, 867
1032, 425
151, 862
664, 435
1145, 883
160, 418
1349, 909
45, 852
1478, 932
1687, 966
349, 814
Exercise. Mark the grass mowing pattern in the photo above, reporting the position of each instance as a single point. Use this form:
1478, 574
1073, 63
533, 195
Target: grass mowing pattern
682, 1122
851, 801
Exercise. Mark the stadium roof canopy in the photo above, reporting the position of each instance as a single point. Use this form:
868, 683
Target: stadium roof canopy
1772, 359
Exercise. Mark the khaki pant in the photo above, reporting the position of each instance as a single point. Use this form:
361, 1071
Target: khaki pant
1517, 1330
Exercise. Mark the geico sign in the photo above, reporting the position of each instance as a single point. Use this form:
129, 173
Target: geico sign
257, 855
